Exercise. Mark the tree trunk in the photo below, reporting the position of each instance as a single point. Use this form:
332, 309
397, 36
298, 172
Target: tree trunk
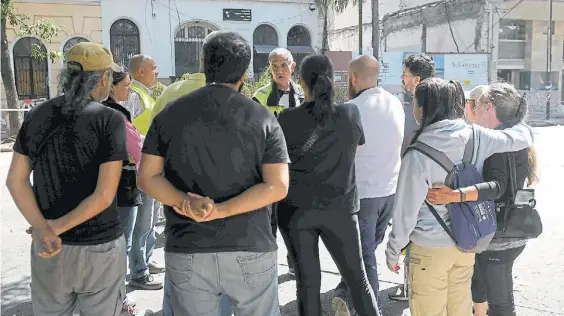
375, 29
325, 43
360, 3
15, 118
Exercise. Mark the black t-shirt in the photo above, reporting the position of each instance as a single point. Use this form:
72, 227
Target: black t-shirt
324, 177
66, 169
214, 142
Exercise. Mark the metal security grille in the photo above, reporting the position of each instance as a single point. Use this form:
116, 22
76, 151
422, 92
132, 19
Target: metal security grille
265, 38
31, 73
124, 41
298, 36
188, 42
70, 43
299, 43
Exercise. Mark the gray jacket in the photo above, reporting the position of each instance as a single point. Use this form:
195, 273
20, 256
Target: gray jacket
412, 220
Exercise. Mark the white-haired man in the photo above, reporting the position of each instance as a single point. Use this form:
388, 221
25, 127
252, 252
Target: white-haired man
281, 93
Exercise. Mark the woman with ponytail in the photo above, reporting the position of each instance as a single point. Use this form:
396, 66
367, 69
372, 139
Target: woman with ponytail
322, 201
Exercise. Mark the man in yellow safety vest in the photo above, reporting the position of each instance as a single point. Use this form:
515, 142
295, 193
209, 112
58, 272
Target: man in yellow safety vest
281, 93
143, 70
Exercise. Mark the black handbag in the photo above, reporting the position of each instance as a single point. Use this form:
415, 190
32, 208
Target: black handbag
517, 219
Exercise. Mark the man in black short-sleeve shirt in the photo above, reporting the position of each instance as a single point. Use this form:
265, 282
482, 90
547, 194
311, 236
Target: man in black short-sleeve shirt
218, 144
75, 147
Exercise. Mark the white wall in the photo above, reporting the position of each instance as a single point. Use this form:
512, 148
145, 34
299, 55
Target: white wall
344, 30
439, 38
157, 32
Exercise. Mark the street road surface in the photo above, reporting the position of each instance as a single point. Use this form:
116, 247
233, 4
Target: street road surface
539, 271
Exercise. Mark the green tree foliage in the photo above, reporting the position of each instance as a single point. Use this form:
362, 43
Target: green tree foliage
45, 30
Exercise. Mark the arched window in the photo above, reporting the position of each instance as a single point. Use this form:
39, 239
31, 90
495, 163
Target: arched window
70, 43
265, 39
124, 41
299, 43
188, 42
31, 73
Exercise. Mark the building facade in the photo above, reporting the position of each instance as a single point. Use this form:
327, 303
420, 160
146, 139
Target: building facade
172, 32
37, 79
514, 35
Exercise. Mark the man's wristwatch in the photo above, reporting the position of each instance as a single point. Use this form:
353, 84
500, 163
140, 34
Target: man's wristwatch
462, 196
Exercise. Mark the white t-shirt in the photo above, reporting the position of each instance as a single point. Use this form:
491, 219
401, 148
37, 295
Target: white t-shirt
378, 161
285, 99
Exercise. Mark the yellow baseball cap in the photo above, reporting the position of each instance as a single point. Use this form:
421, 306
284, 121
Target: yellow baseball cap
88, 56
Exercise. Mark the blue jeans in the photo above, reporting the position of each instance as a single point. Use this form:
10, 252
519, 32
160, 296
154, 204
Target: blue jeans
127, 216
225, 308
199, 284
373, 219
143, 239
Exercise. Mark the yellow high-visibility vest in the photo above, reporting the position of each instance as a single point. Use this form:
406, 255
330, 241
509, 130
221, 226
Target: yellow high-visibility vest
143, 121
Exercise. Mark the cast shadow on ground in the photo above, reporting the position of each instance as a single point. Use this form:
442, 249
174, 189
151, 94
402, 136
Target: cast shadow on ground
286, 277
16, 298
390, 307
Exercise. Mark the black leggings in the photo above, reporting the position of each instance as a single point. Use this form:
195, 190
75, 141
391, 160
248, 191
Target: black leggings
492, 281
339, 231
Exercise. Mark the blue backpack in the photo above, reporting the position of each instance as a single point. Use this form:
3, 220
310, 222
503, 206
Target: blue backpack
473, 223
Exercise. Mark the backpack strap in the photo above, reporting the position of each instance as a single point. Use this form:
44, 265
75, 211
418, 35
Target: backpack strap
469, 148
440, 220
442, 160
438, 157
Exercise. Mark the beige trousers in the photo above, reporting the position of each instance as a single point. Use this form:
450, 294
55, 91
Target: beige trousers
440, 281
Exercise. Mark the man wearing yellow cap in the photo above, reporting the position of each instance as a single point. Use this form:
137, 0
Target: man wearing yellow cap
75, 147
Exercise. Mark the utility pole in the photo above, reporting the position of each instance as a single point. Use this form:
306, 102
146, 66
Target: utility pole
360, 2
549, 62
375, 29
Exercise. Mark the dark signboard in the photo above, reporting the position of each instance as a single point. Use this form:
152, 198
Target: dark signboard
237, 15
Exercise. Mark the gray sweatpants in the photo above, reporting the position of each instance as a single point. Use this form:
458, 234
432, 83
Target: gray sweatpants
88, 276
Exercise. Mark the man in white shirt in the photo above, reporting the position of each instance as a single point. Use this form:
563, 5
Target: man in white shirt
377, 165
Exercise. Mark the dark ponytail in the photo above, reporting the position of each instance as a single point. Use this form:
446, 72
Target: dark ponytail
316, 72
439, 100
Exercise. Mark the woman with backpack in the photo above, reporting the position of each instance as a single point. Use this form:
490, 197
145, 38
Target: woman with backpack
499, 107
439, 272
322, 200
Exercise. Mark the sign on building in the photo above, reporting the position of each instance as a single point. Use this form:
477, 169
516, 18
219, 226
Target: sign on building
469, 69
237, 15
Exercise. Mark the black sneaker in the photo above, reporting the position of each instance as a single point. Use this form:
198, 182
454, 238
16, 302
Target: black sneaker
400, 295
146, 282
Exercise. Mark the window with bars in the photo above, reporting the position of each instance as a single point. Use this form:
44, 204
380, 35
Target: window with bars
31, 74
188, 42
265, 39
124, 41
70, 43
299, 43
